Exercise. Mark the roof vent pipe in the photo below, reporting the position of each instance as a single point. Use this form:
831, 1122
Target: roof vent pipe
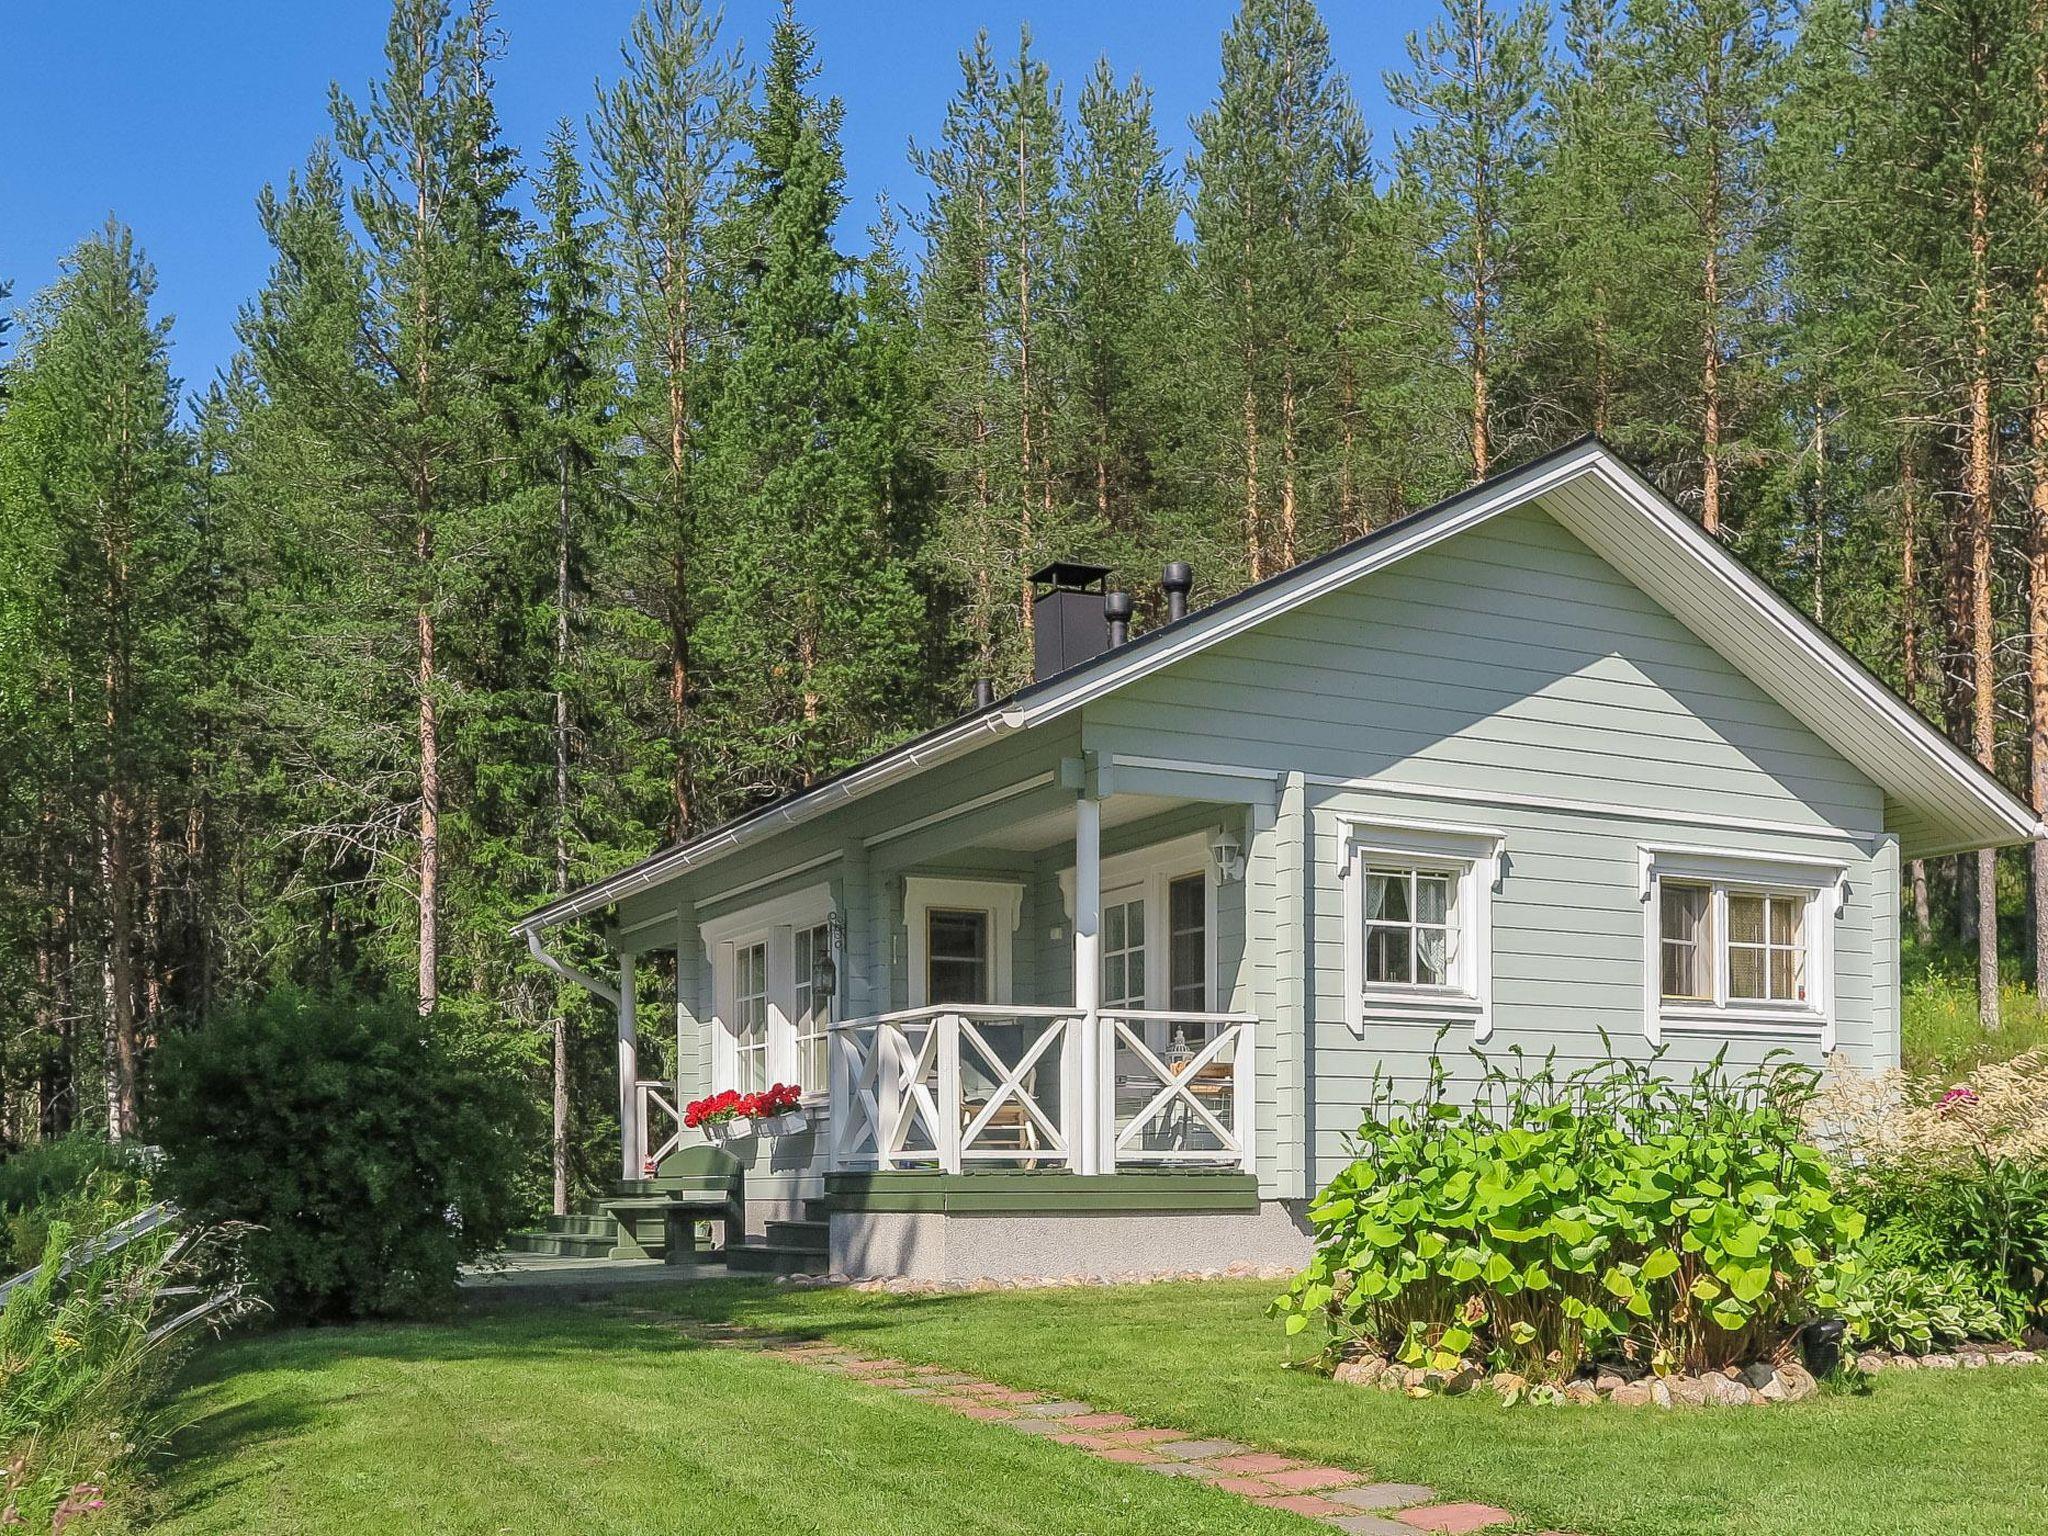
984, 693
1116, 607
1177, 581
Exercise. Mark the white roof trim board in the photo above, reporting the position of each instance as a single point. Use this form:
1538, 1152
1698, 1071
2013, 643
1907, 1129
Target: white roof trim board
1937, 800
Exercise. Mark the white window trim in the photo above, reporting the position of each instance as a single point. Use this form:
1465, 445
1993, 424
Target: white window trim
1147, 872
1001, 900
1473, 854
1824, 884
775, 924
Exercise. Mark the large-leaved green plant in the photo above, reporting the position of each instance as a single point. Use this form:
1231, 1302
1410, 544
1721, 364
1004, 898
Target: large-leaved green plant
1542, 1220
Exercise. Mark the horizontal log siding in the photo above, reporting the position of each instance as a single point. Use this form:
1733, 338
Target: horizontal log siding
1512, 661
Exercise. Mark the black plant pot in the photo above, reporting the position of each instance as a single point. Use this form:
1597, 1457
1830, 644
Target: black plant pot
1820, 1341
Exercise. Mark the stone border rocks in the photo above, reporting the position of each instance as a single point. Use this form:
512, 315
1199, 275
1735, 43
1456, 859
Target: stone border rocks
1967, 1357
1623, 1386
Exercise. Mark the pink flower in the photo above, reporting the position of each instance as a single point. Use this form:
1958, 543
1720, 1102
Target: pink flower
1958, 1098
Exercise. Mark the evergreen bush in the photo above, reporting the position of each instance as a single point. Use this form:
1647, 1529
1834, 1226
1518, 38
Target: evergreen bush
374, 1149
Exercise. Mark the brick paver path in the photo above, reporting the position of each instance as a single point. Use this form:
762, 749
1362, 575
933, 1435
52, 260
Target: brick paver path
1336, 1496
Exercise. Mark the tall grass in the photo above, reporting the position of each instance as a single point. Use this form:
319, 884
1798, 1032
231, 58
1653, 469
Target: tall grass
1941, 1035
85, 1348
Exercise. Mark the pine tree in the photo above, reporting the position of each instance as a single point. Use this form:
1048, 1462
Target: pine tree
663, 137
1270, 207
1588, 356
1472, 86
95, 491
1129, 277
958, 350
1957, 187
1711, 71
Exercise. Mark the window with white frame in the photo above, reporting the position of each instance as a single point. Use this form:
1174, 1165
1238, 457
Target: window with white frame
1418, 920
961, 935
1411, 925
1123, 952
1157, 926
750, 1016
1738, 941
811, 975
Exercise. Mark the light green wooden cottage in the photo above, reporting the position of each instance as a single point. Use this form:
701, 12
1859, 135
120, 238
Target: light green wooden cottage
1094, 978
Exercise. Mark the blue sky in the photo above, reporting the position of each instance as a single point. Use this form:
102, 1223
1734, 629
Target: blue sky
173, 115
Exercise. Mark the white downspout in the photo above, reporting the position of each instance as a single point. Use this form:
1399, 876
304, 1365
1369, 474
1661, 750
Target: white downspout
621, 998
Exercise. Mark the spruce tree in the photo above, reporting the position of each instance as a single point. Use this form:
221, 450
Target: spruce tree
572, 449
95, 494
817, 628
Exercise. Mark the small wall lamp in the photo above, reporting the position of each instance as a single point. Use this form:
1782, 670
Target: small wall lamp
1226, 854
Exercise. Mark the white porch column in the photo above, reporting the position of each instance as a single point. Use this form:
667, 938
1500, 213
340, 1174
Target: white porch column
1088, 1117
629, 1074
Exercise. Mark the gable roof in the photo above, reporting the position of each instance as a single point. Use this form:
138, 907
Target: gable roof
1937, 799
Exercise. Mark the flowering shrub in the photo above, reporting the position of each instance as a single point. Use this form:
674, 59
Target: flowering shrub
1563, 1219
730, 1104
1951, 1174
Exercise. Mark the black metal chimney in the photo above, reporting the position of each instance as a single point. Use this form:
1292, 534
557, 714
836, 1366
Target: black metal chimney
984, 693
1116, 608
1066, 616
1177, 580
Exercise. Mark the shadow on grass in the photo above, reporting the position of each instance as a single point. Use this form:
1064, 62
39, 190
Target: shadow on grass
264, 1387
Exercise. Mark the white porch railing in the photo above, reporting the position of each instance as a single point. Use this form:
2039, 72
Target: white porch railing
953, 1087
948, 1086
1181, 1088
659, 1122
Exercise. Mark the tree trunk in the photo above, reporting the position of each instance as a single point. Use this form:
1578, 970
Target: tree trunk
117, 867
2037, 520
1289, 514
558, 1142
430, 792
1909, 648
1710, 293
1983, 678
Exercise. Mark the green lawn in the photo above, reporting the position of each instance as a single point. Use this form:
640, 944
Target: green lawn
574, 1420
1923, 1454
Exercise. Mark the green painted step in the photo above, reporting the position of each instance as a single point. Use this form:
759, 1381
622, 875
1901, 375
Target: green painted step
809, 1236
561, 1245
755, 1257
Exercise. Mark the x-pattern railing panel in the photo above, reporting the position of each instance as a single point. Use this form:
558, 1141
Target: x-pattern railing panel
1177, 1087
655, 1097
1016, 1085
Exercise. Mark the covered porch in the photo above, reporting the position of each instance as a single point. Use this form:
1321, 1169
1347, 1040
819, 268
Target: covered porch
1056, 988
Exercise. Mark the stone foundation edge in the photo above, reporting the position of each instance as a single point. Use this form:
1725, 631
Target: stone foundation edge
1044, 1245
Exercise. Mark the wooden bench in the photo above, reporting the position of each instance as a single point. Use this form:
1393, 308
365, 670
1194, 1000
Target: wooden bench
658, 1217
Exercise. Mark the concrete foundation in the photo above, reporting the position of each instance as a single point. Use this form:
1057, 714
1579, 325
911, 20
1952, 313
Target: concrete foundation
1012, 1245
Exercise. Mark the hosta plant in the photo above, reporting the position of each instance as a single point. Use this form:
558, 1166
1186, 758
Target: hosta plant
1915, 1311
1541, 1220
